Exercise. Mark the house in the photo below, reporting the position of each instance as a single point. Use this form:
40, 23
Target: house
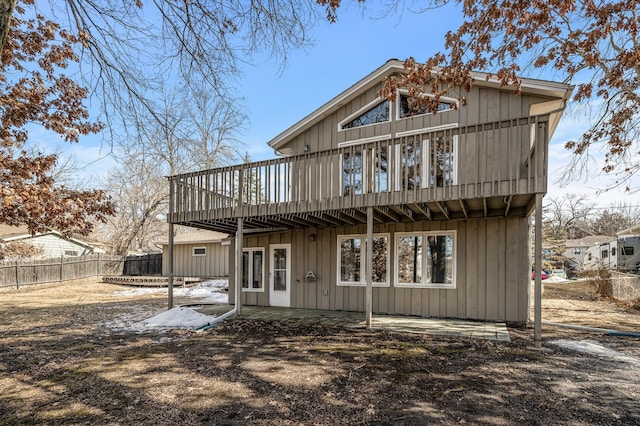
577, 249
51, 243
200, 253
444, 198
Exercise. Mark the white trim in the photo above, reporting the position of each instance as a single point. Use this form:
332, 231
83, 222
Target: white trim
364, 140
273, 300
362, 282
249, 288
424, 235
427, 130
194, 254
444, 99
361, 111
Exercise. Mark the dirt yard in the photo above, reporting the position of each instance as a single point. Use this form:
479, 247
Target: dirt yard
64, 360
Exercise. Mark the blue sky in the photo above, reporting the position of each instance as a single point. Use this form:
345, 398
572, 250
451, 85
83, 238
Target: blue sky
341, 54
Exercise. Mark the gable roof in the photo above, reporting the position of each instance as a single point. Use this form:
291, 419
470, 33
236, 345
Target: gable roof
10, 233
395, 66
588, 241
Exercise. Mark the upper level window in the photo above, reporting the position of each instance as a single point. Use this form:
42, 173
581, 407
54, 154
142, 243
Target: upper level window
407, 108
577, 250
378, 113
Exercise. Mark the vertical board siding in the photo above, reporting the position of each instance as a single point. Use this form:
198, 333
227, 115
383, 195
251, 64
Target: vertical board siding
491, 272
214, 264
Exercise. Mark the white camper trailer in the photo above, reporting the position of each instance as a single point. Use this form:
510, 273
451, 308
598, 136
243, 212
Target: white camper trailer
622, 254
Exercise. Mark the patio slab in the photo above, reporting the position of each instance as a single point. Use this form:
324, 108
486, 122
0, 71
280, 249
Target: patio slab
404, 324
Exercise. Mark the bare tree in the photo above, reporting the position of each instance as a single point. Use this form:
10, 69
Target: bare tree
215, 125
616, 218
567, 217
195, 131
132, 49
140, 195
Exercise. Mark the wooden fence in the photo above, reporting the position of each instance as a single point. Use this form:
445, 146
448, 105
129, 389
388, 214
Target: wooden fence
149, 264
42, 271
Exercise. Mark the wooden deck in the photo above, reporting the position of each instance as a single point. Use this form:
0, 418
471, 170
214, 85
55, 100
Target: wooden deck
493, 169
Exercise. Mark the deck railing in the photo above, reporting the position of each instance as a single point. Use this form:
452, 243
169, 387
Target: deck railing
491, 159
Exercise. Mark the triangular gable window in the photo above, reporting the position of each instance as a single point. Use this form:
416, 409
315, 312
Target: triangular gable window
409, 110
377, 114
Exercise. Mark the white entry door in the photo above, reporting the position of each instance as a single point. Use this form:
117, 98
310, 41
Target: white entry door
280, 275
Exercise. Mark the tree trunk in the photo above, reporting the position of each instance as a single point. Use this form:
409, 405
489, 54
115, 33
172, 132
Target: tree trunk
6, 11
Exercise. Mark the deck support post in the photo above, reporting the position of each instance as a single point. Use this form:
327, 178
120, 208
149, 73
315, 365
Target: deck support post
239, 248
368, 268
538, 271
170, 266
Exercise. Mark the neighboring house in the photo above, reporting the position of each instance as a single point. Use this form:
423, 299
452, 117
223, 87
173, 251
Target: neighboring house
445, 198
576, 250
199, 253
52, 243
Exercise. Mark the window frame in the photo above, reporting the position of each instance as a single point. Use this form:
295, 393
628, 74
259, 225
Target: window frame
363, 281
443, 99
249, 288
423, 284
194, 254
425, 162
363, 110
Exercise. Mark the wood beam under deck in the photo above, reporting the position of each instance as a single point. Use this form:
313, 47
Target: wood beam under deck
423, 210
386, 211
465, 209
444, 209
405, 211
355, 214
339, 215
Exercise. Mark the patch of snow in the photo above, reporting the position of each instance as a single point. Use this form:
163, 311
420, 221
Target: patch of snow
212, 291
180, 317
593, 347
138, 320
555, 279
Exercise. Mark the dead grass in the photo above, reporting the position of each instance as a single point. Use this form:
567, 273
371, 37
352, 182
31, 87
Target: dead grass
59, 364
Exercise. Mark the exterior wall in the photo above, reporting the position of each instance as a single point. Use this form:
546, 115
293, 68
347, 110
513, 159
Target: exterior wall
492, 272
483, 105
54, 246
214, 264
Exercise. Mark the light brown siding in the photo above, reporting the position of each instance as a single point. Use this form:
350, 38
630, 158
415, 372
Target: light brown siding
214, 264
492, 272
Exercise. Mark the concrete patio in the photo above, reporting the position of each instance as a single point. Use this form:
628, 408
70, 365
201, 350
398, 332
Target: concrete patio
403, 324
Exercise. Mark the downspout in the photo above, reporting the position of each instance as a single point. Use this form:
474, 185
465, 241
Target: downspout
237, 308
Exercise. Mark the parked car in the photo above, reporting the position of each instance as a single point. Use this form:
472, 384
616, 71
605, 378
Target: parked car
544, 275
559, 273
